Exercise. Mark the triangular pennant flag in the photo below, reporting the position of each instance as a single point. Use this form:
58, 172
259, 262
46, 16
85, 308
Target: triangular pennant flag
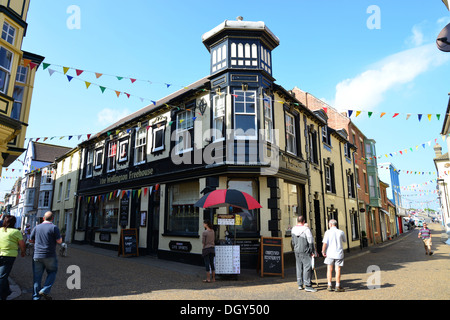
429, 117
438, 116
117, 93
87, 84
78, 71
132, 80
408, 115
358, 113
350, 113
396, 114
26, 62
325, 109
69, 77
88, 136
168, 84
98, 75
154, 102
51, 71
119, 78
102, 88
382, 114
45, 65
420, 116
33, 65
369, 113
66, 69
128, 95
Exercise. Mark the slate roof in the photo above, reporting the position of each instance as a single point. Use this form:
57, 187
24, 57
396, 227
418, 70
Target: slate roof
48, 152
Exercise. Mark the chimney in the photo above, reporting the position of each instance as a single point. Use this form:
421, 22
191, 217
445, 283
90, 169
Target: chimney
437, 150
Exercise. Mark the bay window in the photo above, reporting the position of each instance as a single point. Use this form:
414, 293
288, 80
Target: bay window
5, 69
245, 126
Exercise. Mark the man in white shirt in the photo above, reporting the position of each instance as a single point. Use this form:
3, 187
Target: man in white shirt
333, 252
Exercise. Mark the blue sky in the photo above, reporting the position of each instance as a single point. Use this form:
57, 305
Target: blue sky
326, 49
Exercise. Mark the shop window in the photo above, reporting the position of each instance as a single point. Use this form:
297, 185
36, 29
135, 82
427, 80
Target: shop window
182, 217
250, 218
292, 205
109, 219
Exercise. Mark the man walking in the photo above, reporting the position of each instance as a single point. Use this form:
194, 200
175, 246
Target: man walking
303, 243
425, 233
45, 237
333, 252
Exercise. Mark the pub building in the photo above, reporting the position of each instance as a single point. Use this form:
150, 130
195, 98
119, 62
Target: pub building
234, 128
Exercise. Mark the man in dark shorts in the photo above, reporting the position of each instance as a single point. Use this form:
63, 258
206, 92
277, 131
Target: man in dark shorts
45, 236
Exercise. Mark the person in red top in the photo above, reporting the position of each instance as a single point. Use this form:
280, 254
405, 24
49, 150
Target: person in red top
425, 234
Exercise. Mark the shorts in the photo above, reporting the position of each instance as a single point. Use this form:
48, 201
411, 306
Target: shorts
336, 262
427, 243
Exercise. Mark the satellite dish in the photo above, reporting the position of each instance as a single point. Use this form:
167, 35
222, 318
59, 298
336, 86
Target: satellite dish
443, 39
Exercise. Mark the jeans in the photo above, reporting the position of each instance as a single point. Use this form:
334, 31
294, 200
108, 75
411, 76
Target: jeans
209, 262
304, 268
39, 265
6, 264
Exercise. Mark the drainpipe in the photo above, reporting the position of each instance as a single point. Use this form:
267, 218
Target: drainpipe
345, 202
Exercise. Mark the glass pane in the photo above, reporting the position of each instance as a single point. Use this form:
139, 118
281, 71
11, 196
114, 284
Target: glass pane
246, 124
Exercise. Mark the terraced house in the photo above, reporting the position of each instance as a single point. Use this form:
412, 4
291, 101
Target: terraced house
235, 128
17, 72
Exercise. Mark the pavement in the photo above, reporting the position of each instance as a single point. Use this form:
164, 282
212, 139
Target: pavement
102, 275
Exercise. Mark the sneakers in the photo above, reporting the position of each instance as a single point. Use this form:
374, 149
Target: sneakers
310, 289
45, 296
339, 289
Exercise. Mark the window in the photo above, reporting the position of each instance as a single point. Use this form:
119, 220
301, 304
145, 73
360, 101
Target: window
291, 143
123, 151
140, 145
218, 117
329, 178
29, 199
326, 135
372, 187
244, 54
68, 189
46, 176
21, 75
268, 118
158, 137
292, 198
8, 33
44, 199
5, 68
109, 219
112, 154
245, 115
185, 131
89, 163
250, 218
354, 222
182, 216
219, 58
351, 186
60, 191
347, 151
98, 159
313, 147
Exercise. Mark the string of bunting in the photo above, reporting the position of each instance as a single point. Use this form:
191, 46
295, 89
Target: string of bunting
119, 194
394, 114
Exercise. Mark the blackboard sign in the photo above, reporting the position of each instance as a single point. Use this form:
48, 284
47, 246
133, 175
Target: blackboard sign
128, 245
272, 262
124, 206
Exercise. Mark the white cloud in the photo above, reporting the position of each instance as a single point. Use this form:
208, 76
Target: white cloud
108, 116
366, 90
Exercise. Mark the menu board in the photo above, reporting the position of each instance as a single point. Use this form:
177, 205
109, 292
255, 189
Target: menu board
272, 262
128, 245
228, 260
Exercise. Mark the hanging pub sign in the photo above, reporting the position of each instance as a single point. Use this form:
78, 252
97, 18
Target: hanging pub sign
272, 262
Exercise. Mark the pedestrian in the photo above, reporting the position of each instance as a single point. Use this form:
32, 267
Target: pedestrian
425, 234
208, 251
45, 236
11, 240
333, 252
303, 244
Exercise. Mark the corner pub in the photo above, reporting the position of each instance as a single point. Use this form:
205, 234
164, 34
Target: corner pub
149, 169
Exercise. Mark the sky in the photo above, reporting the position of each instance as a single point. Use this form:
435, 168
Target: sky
370, 56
